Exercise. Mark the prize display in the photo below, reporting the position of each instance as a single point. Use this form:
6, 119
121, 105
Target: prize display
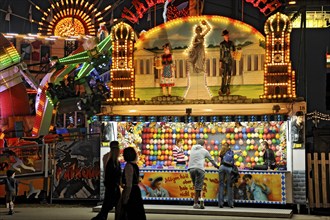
155, 141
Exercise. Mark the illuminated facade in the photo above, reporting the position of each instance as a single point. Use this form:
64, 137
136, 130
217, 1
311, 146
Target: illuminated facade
122, 86
279, 78
71, 18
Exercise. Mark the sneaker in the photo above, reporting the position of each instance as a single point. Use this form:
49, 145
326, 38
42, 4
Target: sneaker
11, 212
220, 206
201, 204
196, 206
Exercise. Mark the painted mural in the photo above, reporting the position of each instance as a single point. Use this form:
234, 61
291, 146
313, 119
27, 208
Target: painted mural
77, 169
251, 187
194, 44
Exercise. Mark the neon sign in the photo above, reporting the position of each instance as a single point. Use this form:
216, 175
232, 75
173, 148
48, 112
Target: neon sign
265, 7
140, 8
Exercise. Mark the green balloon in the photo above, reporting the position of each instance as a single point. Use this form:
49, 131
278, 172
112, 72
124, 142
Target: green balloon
240, 159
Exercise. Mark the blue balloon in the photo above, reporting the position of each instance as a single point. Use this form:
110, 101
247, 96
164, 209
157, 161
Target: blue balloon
201, 130
216, 142
244, 136
197, 136
185, 130
236, 147
173, 130
243, 130
155, 147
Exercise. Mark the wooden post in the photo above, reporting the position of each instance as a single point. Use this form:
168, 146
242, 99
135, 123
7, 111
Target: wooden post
328, 204
316, 181
324, 181
310, 180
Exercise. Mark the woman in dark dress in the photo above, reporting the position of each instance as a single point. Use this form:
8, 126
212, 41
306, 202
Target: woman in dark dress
111, 182
131, 201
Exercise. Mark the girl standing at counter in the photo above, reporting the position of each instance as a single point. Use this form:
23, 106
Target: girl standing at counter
226, 167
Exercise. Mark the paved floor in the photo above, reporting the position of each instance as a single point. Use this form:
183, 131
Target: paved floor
69, 212
214, 211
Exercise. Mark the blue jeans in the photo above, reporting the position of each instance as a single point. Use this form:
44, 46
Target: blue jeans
225, 174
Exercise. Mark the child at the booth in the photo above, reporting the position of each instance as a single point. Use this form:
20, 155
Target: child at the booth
11, 188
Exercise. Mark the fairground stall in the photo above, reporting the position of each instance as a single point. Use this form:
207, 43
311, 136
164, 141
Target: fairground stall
261, 106
158, 86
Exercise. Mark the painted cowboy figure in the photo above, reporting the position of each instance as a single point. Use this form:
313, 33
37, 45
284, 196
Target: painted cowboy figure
227, 48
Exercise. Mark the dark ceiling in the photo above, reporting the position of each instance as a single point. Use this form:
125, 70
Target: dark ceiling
229, 8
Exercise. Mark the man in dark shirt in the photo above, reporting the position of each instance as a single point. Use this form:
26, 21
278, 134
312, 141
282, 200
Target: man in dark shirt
226, 62
297, 130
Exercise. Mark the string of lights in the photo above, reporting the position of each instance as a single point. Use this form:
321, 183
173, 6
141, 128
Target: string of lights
317, 116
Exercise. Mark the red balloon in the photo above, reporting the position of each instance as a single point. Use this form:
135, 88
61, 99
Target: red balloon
216, 147
208, 148
247, 130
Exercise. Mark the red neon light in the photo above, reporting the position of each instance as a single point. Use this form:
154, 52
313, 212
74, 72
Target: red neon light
140, 9
265, 6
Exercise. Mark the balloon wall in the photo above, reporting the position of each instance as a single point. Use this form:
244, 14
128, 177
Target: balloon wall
155, 140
